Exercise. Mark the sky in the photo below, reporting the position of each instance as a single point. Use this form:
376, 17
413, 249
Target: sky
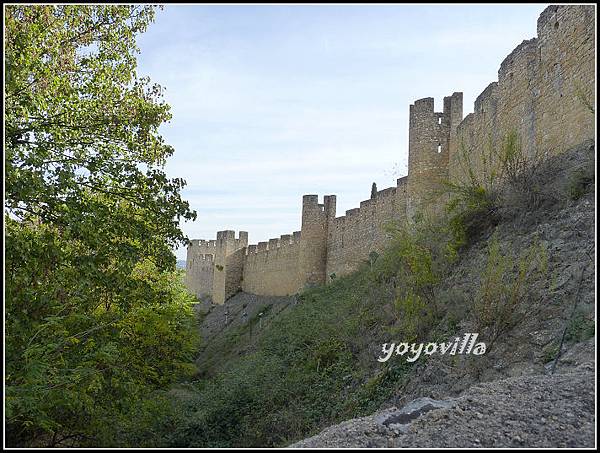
271, 102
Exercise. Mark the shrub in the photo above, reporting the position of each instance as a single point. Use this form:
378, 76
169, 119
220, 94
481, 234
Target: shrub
504, 297
416, 260
79, 355
579, 181
580, 328
494, 182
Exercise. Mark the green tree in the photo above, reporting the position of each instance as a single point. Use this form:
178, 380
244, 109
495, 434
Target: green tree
96, 317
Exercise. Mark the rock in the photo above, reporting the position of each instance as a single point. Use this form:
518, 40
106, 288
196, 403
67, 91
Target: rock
514, 405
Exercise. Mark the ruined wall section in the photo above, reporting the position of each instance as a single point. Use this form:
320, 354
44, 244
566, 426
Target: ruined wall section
541, 94
272, 268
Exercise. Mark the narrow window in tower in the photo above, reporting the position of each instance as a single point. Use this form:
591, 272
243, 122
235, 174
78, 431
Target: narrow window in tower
440, 120
439, 148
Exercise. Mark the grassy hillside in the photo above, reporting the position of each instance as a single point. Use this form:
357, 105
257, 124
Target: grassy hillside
513, 266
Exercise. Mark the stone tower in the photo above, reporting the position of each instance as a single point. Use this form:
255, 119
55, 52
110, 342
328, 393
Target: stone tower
313, 238
430, 137
199, 267
228, 264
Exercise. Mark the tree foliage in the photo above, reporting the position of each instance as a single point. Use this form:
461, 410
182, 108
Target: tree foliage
96, 317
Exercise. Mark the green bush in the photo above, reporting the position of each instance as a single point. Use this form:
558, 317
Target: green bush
580, 328
579, 182
493, 182
96, 319
80, 354
314, 364
504, 294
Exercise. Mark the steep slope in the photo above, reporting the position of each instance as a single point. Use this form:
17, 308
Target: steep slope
310, 362
509, 397
528, 411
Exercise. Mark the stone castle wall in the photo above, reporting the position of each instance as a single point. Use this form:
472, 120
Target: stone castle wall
199, 275
352, 237
540, 95
429, 142
271, 268
228, 264
199, 268
543, 93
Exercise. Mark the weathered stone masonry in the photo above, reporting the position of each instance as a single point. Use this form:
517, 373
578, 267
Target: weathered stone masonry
541, 94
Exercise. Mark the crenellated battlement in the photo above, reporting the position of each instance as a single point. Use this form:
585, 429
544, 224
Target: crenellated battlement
430, 140
538, 95
199, 267
202, 247
203, 243
271, 245
228, 237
